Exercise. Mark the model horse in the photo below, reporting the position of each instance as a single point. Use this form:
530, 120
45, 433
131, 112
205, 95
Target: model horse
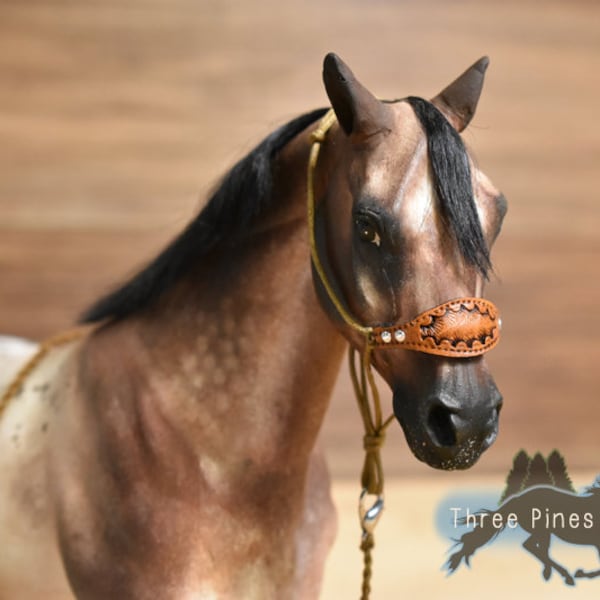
542, 511
170, 453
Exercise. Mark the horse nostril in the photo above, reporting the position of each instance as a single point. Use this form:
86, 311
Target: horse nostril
441, 428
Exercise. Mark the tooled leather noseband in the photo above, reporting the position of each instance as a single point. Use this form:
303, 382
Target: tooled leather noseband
463, 327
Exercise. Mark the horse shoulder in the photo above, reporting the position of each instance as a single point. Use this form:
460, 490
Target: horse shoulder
129, 499
157, 517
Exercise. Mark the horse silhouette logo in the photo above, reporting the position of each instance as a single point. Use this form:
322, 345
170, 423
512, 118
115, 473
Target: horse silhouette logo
539, 497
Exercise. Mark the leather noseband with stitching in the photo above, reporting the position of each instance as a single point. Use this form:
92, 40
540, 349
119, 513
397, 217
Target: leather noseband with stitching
459, 328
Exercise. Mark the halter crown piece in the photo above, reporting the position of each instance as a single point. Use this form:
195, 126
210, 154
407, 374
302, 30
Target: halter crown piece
460, 328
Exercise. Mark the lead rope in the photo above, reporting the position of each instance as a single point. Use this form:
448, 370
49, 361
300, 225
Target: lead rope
45, 347
363, 381
372, 479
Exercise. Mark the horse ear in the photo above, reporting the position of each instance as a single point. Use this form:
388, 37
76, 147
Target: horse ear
359, 113
459, 100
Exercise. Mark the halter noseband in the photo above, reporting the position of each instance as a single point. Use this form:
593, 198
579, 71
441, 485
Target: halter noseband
460, 328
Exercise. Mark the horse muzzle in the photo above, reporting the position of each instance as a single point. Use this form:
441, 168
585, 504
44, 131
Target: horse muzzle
454, 424
449, 408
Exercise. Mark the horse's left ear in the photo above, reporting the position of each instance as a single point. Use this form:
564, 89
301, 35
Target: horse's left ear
358, 111
459, 100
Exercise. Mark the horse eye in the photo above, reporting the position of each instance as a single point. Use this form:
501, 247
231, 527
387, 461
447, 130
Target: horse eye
367, 231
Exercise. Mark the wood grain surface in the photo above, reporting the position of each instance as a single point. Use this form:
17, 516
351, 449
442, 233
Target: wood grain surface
117, 117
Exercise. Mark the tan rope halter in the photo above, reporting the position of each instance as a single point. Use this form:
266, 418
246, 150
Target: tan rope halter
460, 328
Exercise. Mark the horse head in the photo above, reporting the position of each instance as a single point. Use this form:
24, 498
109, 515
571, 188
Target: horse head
404, 222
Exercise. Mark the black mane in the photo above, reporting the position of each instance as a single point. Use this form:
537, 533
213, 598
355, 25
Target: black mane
244, 194
452, 179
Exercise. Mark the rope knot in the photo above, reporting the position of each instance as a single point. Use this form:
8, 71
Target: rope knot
372, 473
318, 136
372, 442
367, 542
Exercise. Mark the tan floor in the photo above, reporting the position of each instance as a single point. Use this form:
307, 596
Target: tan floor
410, 552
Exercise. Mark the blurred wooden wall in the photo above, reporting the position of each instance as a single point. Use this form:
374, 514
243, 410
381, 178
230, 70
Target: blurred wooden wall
117, 117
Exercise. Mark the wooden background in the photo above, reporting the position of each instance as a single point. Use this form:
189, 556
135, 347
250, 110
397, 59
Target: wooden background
117, 117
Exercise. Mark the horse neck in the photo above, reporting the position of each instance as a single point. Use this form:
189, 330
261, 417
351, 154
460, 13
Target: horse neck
239, 356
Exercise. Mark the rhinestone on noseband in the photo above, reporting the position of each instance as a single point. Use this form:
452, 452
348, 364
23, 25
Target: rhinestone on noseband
399, 335
386, 337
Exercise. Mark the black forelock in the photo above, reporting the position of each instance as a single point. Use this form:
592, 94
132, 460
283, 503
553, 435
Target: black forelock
452, 181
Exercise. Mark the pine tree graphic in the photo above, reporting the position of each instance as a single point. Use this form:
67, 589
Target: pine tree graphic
527, 472
558, 468
518, 475
538, 472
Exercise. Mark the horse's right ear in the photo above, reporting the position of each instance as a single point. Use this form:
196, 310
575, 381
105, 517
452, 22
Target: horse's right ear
458, 101
359, 113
